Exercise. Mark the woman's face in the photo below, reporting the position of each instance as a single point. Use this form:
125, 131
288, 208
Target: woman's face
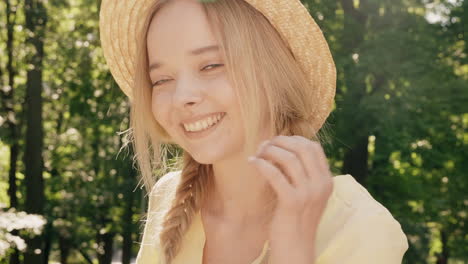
190, 84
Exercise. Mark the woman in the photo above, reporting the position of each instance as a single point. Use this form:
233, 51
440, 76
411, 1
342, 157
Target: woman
243, 87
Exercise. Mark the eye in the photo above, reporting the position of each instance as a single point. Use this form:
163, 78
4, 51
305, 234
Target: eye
159, 82
208, 67
215, 65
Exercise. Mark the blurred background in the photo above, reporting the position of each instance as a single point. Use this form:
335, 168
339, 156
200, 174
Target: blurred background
399, 127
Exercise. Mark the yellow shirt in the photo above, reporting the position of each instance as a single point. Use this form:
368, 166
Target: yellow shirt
354, 228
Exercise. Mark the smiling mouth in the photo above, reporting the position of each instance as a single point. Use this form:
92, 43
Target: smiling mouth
203, 124
204, 131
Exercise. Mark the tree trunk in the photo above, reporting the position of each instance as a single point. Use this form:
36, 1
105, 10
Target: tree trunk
48, 237
464, 21
104, 240
443, 257
106, 243
355, 160
127, 219
65, 247
11, 124
8, 98
35, 15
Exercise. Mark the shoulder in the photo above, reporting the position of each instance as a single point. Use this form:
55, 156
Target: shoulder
162, 193
355, 224
354, 195
351, 196
166, 185
159, 202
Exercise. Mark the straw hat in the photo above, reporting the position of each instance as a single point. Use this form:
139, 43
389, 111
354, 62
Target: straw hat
120, 20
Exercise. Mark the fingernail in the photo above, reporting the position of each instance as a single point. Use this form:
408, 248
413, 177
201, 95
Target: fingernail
251, 158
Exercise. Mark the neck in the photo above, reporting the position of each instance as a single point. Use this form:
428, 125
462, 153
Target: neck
239, 194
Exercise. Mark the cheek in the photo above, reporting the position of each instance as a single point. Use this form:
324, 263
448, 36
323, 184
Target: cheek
160, 109
225, 94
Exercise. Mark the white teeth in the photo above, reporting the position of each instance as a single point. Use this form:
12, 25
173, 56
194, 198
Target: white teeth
203, 124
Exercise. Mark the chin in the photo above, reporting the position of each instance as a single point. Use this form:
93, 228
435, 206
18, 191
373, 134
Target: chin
207, 158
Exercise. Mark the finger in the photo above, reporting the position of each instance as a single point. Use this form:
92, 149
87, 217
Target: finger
287, 162
274, 176
302, 147
321, 160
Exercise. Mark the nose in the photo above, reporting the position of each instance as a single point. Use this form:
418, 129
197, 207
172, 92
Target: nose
188, 93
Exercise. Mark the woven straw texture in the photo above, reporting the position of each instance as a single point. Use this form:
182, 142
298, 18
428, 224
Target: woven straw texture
120, 20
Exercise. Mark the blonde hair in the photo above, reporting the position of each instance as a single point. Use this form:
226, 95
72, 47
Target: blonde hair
269, 78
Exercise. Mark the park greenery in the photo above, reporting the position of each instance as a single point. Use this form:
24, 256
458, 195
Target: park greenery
69, 189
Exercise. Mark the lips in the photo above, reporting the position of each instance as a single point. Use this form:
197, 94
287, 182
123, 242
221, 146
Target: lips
200, 117
204, 123
202, 133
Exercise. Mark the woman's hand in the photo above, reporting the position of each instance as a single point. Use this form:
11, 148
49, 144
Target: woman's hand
298, 172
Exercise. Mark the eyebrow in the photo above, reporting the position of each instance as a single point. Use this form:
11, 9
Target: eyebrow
193, 52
